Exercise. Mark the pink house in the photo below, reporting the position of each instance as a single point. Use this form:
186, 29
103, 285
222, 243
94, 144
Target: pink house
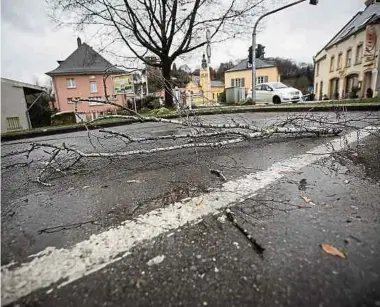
82, 75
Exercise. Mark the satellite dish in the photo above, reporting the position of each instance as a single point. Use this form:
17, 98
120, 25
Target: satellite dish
208, 35
208, 51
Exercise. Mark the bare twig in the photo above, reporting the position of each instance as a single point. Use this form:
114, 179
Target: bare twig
218, 173
259, 249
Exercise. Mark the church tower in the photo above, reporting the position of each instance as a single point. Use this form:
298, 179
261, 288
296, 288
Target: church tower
205, 79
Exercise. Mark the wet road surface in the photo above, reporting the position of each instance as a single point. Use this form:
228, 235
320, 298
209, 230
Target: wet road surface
211, 262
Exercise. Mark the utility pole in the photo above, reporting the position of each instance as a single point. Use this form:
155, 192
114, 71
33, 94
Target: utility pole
313, 2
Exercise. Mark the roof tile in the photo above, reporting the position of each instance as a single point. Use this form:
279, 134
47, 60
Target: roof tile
84, 60
243, 65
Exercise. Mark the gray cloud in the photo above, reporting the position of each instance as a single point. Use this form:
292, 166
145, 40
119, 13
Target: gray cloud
24, 15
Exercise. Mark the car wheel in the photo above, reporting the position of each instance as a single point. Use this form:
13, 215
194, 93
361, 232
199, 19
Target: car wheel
276, 100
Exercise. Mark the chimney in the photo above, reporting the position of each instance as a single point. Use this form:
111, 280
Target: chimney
79, 41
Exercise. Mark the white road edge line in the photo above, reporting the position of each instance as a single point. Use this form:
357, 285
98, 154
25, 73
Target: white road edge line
63, 266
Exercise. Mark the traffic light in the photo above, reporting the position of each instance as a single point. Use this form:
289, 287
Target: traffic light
314, 2
250, 55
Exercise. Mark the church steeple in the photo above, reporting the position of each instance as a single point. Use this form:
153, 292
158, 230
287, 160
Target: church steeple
204, 62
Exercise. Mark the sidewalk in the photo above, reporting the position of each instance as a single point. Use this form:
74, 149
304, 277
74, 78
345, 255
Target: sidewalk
299, 107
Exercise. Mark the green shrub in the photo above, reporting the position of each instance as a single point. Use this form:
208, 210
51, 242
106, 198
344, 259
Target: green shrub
160, 111
153, 104
144, 110
149, 102
65, 118
222, 97
163, 111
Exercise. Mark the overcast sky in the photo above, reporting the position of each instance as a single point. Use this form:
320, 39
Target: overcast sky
31, 44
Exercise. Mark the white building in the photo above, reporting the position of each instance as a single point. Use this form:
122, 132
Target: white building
17, 98
349, 63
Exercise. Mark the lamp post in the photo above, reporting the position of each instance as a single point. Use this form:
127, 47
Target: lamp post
313, 2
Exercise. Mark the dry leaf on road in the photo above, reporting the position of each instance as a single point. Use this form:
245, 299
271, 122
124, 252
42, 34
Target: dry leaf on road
331, 250
199, 202
306, 199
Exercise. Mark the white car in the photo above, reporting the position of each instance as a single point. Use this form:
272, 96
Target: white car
276, 92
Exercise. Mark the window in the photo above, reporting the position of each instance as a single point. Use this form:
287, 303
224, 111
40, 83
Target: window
93, 87
359, 54
94, 103
262, 79
13, 123
332, 60
239, 82
317, 69
265, 87
348, 58
70, 83
339, 63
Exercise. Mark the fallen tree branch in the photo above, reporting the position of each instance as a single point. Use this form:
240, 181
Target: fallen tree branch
218, 173
176, 136
258, 248
181, 123
66, 226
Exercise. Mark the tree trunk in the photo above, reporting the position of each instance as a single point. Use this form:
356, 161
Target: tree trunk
166, 67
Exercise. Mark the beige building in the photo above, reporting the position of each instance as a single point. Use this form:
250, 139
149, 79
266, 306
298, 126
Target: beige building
241, 74
238, 79
348, 66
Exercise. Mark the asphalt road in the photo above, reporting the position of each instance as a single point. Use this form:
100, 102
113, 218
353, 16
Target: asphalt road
209, 262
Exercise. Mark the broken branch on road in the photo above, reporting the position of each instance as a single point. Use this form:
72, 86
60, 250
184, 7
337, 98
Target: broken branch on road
61, 159
218, 173
258, 248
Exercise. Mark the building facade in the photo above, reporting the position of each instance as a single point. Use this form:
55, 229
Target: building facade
16, 100
241, 74
238, 79
85, 74
348, 66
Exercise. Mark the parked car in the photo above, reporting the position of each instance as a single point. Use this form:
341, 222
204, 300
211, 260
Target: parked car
275, 92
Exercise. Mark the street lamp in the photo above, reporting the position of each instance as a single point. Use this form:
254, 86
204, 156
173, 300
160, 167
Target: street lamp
312, 2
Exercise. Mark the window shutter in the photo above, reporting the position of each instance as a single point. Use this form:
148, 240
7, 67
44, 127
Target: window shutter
242, 82
265, 79
232, 82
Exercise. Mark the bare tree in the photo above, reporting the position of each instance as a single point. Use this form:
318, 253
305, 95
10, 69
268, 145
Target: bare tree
165, 28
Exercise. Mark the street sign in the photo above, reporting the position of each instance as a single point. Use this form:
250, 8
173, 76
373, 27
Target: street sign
208, 35
208, 51
122, 84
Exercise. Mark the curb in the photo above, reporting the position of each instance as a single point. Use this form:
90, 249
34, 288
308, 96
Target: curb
245, 109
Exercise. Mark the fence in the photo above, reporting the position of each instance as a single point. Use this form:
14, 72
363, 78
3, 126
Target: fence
235, 94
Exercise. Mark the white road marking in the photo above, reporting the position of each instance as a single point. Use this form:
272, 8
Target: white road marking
63, 266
